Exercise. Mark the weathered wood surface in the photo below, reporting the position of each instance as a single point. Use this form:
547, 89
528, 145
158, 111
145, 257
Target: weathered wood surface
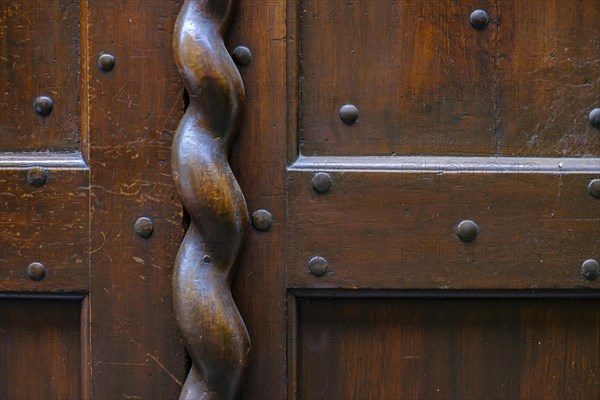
441, 104
136, 350
434, 86
40, 55
427, 83
397, 229
47, 224
106, 147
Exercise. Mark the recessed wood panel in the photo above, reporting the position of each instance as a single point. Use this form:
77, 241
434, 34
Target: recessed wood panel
447, 348
549, 77
421, 76
40, 349
427, 83
397, 228
40, 56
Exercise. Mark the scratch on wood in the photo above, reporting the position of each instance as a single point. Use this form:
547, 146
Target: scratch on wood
128, 364
164, 369
556, 204
177, 101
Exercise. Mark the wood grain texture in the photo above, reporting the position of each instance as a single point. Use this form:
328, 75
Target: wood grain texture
47, 224
211, 326
448, 348
549, 77
397, 229
40, 349
79, 224
258, 162
427, 83
420, 75
134, 110
40, 56
384, 225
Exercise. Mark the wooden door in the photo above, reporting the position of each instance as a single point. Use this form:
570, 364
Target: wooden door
420, 186
85, 296
432, 175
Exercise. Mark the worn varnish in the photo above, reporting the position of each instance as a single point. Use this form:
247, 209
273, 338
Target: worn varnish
549, 78
133, 114
106, 150
441, 104
427, 83
420, 75
40, 55
47, 224
429, 88
399, 228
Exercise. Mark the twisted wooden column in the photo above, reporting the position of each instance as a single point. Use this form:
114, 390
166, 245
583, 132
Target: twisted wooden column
213, 330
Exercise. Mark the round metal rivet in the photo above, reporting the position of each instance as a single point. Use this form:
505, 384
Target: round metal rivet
241, 55
479, 19
36, 271
206, 259
37, 176
321, 182
467, 230
43, 105
144, 227
106, 62
594, 188
262, 220
590, 269
317, 266
349, 114
594, 117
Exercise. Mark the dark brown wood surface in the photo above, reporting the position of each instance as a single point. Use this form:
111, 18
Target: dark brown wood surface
397, 229
116, 169
258, 162
427, 83
441, 105
420, 75
136, 349
47, 224
549, 78
40, 55
40, 349
212, 328
447, 348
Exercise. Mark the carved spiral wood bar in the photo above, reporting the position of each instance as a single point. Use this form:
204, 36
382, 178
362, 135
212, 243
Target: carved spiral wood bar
213, 330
